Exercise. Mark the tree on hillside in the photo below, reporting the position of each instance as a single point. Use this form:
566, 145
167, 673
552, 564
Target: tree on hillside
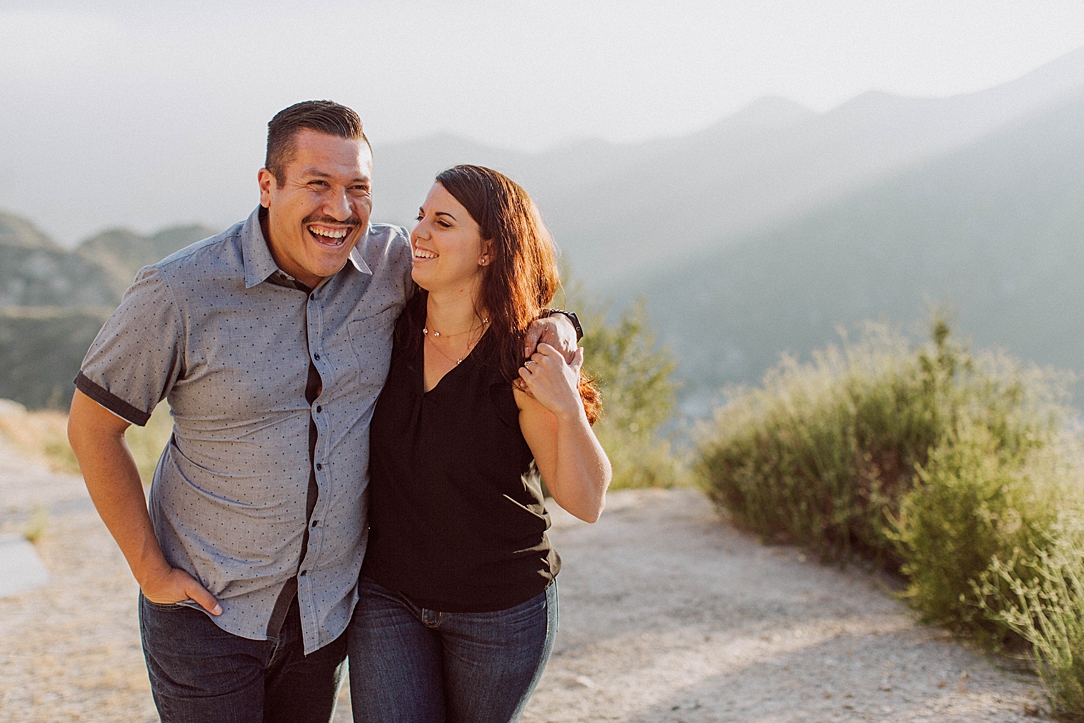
635, 375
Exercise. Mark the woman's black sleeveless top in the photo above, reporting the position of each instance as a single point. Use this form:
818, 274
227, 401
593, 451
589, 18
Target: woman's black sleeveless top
456, 516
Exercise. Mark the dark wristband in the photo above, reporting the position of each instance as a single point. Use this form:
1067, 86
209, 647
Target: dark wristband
571, 317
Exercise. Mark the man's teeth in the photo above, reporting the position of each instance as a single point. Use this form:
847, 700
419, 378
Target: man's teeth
335, 234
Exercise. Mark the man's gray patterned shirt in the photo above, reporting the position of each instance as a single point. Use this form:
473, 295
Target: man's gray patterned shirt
213, 330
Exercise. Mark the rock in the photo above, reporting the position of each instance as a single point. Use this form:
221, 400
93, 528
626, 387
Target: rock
20, 567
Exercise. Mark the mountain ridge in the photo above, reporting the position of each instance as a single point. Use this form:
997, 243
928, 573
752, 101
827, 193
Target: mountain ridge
996, 228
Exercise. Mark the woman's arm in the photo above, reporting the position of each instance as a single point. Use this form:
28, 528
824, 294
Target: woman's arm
552, 419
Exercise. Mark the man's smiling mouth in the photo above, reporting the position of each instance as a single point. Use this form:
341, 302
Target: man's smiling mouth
329, 236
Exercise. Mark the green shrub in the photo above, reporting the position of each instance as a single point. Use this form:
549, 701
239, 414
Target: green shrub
635, 376
824, 454
976, 500
821, 451
1042, 599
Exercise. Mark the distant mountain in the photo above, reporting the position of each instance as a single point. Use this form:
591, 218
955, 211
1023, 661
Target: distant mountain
996, 229
756, 235
53, 302
16, 232
618, 208
121, 252
34, 271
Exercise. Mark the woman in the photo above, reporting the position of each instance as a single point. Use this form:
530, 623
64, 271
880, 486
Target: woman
458, 606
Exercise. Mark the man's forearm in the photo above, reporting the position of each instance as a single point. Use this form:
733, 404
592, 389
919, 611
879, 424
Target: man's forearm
113, 482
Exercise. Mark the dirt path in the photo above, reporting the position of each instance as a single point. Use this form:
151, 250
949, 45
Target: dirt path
667, 614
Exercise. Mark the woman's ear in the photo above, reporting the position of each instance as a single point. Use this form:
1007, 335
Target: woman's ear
487, 253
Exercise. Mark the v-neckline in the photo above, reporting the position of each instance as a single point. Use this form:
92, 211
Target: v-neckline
468, 359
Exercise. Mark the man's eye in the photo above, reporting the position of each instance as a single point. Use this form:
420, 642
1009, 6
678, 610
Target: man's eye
418, 217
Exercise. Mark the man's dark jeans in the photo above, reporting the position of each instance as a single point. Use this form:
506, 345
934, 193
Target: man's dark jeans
202, 674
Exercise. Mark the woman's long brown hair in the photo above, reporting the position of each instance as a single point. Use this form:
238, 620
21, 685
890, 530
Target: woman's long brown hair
521, 276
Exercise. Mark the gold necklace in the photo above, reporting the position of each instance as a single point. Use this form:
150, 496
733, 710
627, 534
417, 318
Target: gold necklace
449, 357
425, 329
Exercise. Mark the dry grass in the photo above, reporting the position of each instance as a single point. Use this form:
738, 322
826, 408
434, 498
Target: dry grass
42, 434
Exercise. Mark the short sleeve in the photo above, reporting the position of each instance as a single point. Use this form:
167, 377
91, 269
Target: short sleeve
136, 357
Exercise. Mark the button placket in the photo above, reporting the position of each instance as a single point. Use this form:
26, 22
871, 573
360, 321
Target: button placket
315, 331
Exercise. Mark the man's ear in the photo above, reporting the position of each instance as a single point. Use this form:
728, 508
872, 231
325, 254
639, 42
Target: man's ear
265, 180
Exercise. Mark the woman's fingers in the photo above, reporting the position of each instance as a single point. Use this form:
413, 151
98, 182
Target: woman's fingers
530, 339
552, 381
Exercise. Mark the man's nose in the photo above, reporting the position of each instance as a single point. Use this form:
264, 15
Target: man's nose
338, 206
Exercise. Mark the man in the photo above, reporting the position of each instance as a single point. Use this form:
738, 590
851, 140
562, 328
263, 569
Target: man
271, 342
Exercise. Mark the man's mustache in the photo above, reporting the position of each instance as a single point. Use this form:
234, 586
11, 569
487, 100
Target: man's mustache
352, 221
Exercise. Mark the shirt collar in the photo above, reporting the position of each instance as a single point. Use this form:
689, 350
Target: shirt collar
260, 264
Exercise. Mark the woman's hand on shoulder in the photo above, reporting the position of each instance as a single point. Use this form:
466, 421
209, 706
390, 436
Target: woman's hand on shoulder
553, 382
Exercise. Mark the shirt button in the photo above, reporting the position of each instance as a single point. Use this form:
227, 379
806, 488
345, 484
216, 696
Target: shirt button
316, 357
313, 297
303, 573
316, 523
319, 409
319, 466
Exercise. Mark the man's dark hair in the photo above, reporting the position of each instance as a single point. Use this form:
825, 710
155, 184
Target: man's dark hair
323, 116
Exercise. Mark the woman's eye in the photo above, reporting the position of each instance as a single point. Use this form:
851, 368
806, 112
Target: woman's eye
418, 217
444, 224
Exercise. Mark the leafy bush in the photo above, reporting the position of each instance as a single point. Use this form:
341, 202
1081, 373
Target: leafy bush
823, 450
638, 395
930, 460
976, 500
1042, 599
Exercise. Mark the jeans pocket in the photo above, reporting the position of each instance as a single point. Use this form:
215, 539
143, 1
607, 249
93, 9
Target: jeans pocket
164, 607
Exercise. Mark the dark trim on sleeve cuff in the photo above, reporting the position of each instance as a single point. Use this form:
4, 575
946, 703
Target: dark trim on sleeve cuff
111, 401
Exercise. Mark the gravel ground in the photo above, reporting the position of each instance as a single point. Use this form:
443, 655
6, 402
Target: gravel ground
667, 614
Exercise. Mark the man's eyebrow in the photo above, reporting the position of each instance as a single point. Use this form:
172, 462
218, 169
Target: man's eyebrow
316, 173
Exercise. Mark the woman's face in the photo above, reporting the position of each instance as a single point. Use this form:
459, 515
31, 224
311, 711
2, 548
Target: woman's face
449, 252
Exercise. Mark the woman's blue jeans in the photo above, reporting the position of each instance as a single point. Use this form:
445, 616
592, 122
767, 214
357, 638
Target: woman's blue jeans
413, 665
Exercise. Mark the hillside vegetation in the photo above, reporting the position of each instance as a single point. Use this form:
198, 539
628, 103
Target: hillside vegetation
40, 352
960, 471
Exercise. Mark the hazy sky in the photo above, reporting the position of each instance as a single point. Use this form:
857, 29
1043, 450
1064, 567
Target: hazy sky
125, 91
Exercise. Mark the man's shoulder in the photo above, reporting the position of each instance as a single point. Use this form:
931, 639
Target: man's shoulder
388, 233
385, 245
208, 254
